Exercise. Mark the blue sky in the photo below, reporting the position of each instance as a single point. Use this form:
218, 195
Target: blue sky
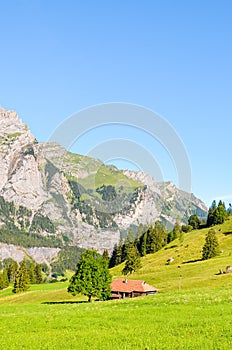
174, 57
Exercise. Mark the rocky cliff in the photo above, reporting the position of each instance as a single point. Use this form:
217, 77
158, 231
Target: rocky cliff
48, 192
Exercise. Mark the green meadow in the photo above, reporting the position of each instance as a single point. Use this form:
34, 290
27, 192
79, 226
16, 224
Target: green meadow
178, 320
193, 309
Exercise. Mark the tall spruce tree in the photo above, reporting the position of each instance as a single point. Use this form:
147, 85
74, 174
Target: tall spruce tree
128, 244
211, 246
119, 253
133, 262
112, 261
38, 274
177, 229
216, 214
220, 213
22, 279
4, 281
211, 214
105, 255
11, 267
143, 244
31, 272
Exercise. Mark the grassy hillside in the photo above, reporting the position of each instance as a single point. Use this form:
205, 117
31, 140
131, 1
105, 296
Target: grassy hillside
187, 271
98, 174
192, 311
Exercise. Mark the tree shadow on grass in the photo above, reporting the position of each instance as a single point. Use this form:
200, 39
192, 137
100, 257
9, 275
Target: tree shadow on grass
173, 246
191, 261
64, 302
227, 233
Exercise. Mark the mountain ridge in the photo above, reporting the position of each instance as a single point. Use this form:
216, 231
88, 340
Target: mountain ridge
88, 203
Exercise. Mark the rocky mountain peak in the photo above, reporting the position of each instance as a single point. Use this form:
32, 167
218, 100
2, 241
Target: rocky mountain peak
75, 196
10, 124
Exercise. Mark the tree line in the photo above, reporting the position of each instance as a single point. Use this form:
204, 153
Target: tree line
154, 237
20, 275
147, 241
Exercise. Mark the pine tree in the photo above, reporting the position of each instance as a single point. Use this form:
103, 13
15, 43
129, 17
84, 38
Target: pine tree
31, 272
157, 237
4, 281
194, 221
149, 240
229, 210
143, 244
105, 255
220, 213
38, 274
112, 261
211, 214
216, 214
11, 267
133, 262
177, 230
119, 253
22, 279
128, 245
211, 246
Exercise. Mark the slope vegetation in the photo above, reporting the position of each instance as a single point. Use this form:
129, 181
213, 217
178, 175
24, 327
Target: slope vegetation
187, 271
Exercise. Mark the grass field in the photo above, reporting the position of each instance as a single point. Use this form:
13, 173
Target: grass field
193, 309
178, 320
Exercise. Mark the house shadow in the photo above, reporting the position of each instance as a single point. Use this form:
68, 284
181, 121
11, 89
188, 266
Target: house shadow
64, 302
191, 261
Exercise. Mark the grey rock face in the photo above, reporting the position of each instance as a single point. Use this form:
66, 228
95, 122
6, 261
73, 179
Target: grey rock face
35, 176
40, 255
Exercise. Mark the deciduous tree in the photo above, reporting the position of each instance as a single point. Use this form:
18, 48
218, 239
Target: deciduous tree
92, 277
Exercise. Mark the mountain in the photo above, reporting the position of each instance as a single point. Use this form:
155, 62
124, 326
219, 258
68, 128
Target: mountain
50, 197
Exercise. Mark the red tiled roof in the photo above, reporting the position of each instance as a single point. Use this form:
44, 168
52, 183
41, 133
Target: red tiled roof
128, 286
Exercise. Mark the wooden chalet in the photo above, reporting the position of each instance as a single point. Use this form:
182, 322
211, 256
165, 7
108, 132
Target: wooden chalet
123, 288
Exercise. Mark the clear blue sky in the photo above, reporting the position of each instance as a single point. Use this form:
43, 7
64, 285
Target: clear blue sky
172, 56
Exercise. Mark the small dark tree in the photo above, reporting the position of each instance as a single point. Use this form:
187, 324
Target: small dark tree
187, 228
216, 214
229, 210
177, 229
133, 262
92, 277
143, 244
31, 272
105, 255
220, 213
128, 245
112, 261
38, 274
4, 281
211, 246
194, 221
119, 253
22, 279
11, 267
211, 214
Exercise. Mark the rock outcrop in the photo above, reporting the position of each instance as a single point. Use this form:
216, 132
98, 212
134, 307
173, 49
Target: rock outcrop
58, 185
